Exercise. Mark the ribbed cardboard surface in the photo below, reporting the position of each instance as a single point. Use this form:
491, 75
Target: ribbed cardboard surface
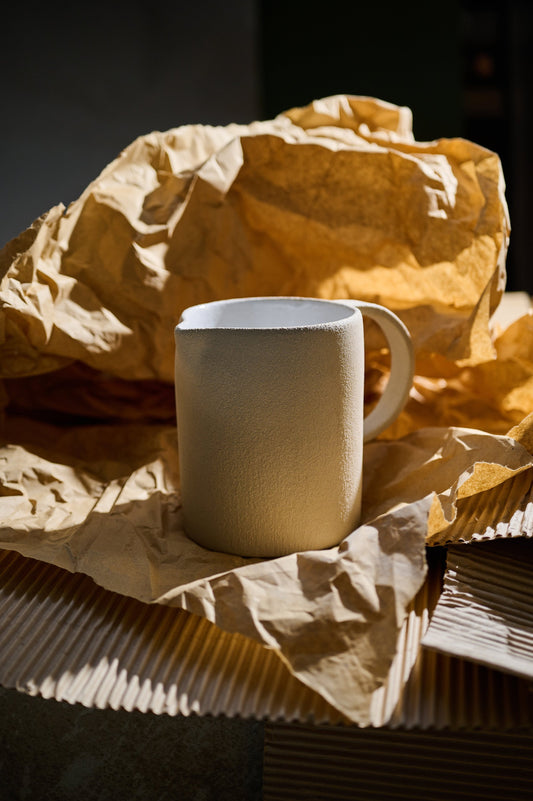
504, 512
485, 612
343, 764
63, 637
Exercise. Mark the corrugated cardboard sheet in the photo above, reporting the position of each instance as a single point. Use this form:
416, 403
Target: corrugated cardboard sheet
64, 637
485, 612
378, 764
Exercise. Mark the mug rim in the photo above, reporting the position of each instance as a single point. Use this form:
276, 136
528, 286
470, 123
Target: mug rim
346, 303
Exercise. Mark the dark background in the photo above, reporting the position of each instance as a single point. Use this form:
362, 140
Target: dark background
80, 82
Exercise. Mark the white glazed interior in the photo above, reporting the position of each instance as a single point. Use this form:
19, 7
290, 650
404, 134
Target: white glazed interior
268, 313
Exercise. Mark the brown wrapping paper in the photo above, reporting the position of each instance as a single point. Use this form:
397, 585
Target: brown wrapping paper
333, 200
332, 616
339, 203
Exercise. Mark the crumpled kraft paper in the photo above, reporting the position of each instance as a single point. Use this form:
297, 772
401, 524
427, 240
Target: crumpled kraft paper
333, 616
448, 464
333, 200
492, 396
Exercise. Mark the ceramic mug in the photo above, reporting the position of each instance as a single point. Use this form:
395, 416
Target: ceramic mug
269, 395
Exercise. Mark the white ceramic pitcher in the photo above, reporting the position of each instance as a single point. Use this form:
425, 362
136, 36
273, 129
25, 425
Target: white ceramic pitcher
269, 395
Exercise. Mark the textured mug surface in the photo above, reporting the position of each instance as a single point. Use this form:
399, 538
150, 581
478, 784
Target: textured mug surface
269, 396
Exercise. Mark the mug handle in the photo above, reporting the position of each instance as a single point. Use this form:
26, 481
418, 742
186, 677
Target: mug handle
402, 371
